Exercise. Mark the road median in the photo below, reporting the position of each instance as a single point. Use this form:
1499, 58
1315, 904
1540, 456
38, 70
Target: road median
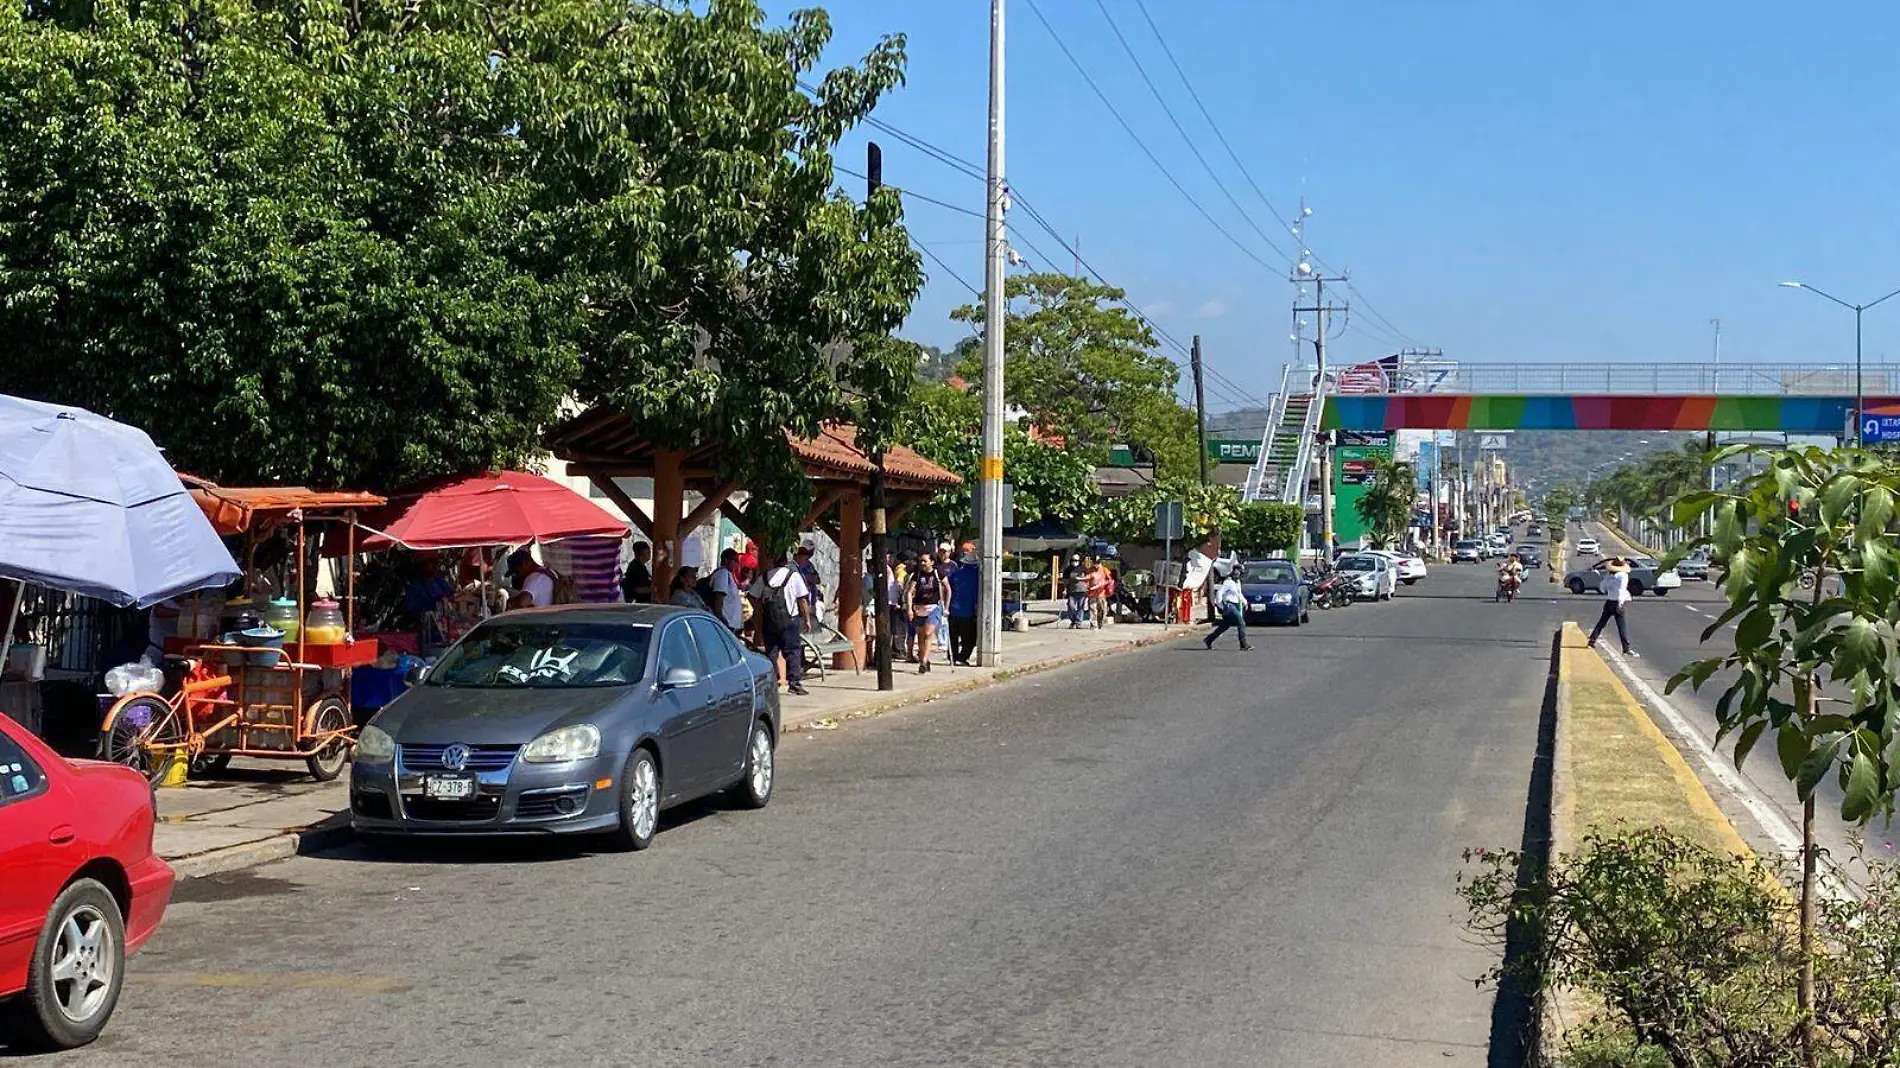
1614, 768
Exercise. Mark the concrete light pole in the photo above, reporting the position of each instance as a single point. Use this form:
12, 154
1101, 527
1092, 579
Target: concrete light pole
1860, 397
990, 472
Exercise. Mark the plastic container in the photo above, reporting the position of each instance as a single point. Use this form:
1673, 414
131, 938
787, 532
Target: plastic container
239, 615
283, 614
324, 625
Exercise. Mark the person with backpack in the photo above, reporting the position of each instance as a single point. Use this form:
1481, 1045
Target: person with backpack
536, 584
784, 611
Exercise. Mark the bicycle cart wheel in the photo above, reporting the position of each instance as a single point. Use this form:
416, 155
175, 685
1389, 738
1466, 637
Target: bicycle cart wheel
144, 731
329, 714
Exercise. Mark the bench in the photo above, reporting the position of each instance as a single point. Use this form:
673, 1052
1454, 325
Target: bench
828, 642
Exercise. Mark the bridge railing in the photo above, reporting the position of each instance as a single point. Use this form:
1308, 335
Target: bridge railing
1730, 379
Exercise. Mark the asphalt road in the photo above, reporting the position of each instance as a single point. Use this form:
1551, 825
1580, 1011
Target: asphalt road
1667, 631
1167, 857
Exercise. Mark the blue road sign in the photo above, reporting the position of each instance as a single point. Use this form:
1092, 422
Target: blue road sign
1878, 429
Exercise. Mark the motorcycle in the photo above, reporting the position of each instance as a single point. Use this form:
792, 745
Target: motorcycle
1507, 587
1334, 590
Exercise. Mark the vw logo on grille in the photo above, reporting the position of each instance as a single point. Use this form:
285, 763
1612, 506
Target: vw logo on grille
455, 757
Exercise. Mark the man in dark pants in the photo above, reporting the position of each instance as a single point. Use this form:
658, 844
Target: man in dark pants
636, 586
784, 612
963, 597
1231, 602
1616, 599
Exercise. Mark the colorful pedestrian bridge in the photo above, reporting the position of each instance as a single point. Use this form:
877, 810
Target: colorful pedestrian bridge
1795, 398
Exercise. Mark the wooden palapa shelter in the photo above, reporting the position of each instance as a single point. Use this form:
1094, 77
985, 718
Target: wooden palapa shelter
602, 445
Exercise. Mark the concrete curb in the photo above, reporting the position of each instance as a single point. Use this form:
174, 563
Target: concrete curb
877, 706
327, 833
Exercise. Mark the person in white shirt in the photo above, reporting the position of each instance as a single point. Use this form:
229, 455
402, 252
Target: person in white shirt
1231, 603
534, 584
725, 589
784, 609
1616, 599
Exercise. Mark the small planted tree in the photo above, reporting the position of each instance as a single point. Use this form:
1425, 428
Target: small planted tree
1387, 504
1808, 563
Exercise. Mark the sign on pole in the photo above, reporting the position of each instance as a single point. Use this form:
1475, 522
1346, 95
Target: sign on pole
1168, 520
1878, 428
1007, 491
1493, 442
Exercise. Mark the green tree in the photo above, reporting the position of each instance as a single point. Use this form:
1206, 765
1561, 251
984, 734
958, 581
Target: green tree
945, 424
1387, 505
358, 243
1084, 367
1811, 573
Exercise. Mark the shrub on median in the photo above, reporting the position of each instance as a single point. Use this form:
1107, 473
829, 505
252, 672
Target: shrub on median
1678, 955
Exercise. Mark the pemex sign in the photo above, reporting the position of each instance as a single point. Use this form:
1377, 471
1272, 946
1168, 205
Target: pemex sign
1233, 451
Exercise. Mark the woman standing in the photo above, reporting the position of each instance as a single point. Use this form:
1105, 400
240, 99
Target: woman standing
924, 595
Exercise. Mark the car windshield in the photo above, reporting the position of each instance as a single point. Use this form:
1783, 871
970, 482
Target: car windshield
543, 654
1466, 545
1271, 571
1646, 561
1358, 563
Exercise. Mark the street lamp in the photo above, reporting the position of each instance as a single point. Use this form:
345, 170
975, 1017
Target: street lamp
1860, 400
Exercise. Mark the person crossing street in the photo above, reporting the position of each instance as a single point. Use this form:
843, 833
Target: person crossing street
1231, 602
1616, 599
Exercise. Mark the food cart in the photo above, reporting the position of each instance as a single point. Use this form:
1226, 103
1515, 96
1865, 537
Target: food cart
277, 691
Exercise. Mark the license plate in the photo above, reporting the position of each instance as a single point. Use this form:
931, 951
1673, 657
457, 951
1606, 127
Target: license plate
448, 787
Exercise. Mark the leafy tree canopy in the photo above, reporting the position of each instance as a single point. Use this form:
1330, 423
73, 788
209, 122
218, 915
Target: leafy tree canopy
1084, 367
357, 243
1049, 480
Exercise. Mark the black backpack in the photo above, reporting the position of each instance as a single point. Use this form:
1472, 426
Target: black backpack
705, 590
777, 616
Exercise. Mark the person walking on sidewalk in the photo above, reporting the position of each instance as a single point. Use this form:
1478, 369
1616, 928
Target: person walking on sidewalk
963, 597
924, 596
1076, 586
1231, 601
1101, 584
1616, 599
784, 614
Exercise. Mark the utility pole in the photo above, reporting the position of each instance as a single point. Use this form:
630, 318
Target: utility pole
990, 473
1302, 273
1200, 406
880, 589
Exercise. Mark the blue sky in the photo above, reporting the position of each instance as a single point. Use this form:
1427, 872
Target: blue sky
1506, 181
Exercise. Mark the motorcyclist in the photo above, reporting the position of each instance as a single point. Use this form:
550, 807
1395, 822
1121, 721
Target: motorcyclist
1510, 574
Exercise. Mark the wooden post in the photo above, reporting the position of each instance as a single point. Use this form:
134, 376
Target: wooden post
851, 572
669, 499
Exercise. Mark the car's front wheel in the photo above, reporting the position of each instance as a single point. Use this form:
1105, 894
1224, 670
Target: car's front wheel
754, 789
77, 970
639, 802
1575, 585
1662, 591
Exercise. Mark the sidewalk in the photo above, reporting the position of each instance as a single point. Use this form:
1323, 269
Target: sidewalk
262, 810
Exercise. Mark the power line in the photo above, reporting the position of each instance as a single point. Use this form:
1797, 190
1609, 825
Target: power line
1139, 143
941, 155
938, 260
906, 192
1182, 130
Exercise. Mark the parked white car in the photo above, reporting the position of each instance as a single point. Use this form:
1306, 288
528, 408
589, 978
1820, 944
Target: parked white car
1411, 568
1377, 576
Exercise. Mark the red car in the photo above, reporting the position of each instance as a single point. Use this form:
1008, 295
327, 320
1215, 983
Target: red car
82, 890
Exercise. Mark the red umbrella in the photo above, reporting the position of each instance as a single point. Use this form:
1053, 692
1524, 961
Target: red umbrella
509, 508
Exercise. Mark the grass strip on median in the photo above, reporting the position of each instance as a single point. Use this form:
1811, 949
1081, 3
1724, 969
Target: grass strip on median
1618, 766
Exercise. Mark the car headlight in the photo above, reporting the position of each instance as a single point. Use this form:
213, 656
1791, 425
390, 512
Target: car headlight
374, 746
1282, 598
569, 743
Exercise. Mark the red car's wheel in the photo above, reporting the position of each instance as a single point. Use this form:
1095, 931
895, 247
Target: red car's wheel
77, 970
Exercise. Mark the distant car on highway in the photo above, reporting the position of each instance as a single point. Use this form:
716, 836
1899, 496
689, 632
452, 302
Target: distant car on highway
1529, 556
1411, 568
1377, 577
1534, 531
1694, 566
1467, 552
1588, 547
1646, 573
1275, 592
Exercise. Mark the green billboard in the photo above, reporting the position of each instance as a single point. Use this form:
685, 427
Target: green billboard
1352, 468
